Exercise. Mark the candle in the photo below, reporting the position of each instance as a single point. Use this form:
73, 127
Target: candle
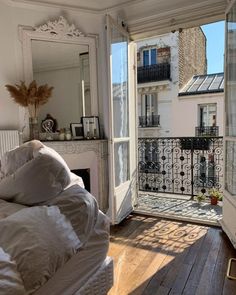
83, 101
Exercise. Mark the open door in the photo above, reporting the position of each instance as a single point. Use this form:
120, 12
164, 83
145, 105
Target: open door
229, 202
122, 121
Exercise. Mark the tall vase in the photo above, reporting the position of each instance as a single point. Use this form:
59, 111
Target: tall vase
33, 128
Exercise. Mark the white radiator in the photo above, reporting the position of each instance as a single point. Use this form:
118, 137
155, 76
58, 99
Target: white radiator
9, 139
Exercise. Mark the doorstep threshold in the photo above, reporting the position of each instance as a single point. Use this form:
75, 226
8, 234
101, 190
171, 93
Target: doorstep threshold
178, 217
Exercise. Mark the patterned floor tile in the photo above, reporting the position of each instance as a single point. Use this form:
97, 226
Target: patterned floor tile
181, 208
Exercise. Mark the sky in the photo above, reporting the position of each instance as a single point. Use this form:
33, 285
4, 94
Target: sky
215, 34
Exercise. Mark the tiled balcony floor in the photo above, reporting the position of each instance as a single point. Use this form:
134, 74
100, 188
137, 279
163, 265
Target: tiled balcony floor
178, 207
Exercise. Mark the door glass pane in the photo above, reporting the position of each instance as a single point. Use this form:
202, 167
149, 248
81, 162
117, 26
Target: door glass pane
146, 57
230, 167
231, 73
121, 155
119, 52
153, 56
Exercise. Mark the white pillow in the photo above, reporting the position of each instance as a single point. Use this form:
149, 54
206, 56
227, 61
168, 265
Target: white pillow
40, 240
36, 181
15, 158
45, 150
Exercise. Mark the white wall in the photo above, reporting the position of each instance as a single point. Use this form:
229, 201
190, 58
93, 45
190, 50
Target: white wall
11, 60
9, 114
185, 115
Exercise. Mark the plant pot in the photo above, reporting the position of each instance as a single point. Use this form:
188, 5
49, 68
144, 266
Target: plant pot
214, 200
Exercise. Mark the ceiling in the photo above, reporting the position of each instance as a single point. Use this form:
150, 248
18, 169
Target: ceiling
148, 17
163, 6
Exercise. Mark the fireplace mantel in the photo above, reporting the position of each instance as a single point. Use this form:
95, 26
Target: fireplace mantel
87, 154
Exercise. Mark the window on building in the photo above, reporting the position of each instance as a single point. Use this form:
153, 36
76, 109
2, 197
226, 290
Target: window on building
149, 56
207, 115
148, 110
207, 175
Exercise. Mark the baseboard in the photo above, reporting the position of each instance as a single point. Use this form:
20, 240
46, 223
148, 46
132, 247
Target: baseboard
228, 233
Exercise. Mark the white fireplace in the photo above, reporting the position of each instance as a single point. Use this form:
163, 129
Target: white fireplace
87, 154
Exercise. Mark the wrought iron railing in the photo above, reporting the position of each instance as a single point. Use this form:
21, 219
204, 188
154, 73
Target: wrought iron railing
207, 131
149, 121
152, 73
187, 165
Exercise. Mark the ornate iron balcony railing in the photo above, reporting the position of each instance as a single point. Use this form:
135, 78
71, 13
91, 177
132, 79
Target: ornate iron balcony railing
207, 131
149, 121
153, 73
185, 165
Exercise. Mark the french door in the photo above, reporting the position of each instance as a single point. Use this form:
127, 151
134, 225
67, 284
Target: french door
122, 122
229, 203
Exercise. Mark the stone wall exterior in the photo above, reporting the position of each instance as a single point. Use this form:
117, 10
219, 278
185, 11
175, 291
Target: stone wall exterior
192, 54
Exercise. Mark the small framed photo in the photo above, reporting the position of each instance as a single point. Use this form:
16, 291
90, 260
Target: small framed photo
91, 127
77, 130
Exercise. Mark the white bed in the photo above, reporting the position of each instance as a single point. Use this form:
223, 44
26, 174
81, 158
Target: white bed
54, 240
90, 269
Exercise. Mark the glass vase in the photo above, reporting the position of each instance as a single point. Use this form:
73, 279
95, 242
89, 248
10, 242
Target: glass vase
33, 128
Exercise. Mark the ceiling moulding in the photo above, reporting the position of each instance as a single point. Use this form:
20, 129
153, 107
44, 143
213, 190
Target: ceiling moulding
191, 16
74, 7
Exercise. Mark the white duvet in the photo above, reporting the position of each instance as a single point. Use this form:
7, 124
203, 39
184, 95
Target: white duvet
40, 231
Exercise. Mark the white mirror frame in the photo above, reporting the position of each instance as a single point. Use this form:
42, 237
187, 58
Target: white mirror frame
61, 32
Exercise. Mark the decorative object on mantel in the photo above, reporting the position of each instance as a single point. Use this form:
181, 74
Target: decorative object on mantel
49, 126
31, 97
62, 134
91, 127
77, 130
68, 135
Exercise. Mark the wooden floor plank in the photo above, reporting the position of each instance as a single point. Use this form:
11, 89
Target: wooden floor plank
198, 267
203, 286
154, 256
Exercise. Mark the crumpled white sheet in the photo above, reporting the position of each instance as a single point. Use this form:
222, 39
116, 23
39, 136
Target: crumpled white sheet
39, 240
10, 279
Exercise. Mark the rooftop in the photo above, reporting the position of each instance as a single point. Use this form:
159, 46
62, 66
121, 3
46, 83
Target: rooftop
201, 84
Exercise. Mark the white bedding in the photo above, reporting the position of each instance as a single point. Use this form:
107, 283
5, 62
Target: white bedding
39, 240
76, 272
42, 232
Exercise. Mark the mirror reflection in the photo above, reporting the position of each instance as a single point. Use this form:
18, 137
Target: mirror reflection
64, 66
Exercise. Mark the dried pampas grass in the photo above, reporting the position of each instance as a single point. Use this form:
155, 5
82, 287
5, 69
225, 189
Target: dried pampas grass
32, 96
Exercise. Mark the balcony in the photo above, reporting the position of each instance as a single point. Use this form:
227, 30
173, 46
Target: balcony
154, 73
149, 121
207, 131
170, 176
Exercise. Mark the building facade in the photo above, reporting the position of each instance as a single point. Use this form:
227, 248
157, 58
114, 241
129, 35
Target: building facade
165, 64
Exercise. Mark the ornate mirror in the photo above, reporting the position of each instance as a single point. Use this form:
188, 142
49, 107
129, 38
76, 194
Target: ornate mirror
59, 55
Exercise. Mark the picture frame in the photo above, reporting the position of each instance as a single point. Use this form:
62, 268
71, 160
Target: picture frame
77, 130
91, 127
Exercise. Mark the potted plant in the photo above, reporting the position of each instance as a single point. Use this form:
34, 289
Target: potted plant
32, 97
215, 195
200, 197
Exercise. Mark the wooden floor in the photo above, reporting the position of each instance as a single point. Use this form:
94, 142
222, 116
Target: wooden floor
154, 256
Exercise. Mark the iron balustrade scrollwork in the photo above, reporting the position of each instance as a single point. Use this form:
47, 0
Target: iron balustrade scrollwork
149, 121
153, 73
207, 131
185, 165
